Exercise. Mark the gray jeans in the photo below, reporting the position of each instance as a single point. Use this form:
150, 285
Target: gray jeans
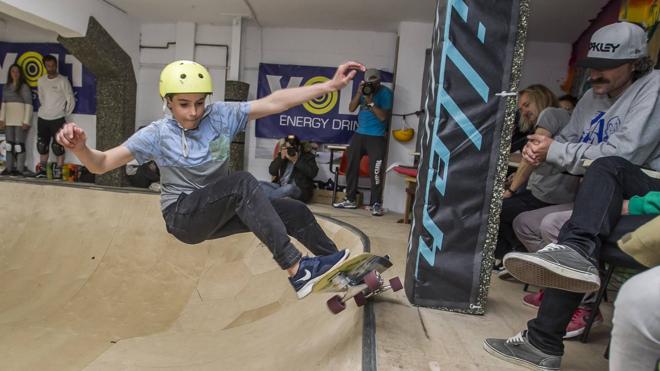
275, 191
15, 135
636, 324
539, 227
236, 203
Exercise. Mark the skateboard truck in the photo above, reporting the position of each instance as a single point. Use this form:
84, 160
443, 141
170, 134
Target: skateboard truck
373, 284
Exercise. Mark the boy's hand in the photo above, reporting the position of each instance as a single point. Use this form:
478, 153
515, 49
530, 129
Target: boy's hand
345, 73
72, 137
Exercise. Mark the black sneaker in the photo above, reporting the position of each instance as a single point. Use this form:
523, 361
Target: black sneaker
345, 204
377, 209
517, 349
311, 270
5, 172
28, 174
555, 266
41, 174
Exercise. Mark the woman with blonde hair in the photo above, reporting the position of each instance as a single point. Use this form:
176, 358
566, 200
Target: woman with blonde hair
539, 114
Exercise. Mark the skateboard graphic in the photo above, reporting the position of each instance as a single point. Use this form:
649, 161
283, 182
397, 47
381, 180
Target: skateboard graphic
358, 278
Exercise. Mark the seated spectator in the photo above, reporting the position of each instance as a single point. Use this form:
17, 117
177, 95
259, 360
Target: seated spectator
568, 268
567, 102
293, 171
617, 116
553, 218
613, 118
146, 175
540, 114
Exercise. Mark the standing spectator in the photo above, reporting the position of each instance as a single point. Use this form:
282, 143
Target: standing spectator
15, 117
375, 102
57, 102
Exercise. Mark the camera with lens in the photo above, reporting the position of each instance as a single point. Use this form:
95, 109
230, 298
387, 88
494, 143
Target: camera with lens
291, 151
368, 88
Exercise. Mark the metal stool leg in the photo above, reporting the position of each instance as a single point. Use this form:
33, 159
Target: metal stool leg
596, 305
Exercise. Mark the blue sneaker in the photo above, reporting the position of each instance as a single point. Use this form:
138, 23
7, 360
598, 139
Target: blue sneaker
312, 269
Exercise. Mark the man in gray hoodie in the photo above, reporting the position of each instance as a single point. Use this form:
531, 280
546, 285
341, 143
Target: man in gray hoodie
618, 116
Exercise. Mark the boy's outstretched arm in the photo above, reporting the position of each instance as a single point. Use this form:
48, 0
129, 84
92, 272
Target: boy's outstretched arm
72, 137
284, 99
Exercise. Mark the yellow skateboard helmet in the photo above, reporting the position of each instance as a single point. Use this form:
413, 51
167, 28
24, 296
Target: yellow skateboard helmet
403, 135
185, 77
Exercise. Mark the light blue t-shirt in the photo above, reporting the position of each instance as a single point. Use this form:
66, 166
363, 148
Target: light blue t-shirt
368, 123
190, 159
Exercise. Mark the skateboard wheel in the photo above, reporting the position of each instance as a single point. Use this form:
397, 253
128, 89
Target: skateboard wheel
395, 284
360, 299
372, 281
335, 304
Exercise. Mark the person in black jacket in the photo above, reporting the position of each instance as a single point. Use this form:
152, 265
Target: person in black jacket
293, 172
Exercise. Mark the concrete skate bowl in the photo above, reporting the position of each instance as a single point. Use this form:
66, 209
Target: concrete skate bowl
90, 280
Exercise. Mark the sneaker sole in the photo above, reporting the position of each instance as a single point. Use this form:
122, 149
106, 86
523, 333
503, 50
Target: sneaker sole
515, 360
542, 273
345, 207
307, 289
530, 305
578, 332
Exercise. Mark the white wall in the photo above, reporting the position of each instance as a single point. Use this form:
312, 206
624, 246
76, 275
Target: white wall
545, 63
152, 61
309, 47
66, 17
414, 39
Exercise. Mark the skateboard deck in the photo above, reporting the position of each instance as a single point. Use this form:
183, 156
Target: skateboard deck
358, 277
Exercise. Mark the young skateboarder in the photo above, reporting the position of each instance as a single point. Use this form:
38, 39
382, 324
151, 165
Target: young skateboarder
199, 200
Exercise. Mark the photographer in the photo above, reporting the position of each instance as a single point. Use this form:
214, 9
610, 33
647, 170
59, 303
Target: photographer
375, 102
293, 170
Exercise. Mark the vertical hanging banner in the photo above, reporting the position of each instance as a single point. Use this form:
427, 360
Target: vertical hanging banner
477, 53
326, 119
29, 57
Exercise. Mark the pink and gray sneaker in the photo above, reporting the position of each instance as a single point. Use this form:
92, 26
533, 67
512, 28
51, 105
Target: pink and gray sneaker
534, 299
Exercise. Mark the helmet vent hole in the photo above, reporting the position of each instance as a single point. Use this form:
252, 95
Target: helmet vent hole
200, 75
183, 76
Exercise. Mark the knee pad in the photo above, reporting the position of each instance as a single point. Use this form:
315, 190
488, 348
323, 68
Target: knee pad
19, 148
42, 146
58, 149
8, 146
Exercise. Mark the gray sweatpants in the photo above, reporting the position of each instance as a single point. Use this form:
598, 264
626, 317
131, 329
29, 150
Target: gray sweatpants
636, 324
16, 136
539, 227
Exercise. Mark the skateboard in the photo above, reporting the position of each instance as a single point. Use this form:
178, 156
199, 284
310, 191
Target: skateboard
358, 278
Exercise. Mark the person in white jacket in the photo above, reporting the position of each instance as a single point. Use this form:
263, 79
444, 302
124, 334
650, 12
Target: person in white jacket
56, 102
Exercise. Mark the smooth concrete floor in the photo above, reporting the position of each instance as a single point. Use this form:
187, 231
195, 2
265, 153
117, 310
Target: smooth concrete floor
413, 338
89, 279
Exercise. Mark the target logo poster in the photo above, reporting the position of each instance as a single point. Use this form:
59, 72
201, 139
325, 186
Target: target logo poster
325, 119
29, 57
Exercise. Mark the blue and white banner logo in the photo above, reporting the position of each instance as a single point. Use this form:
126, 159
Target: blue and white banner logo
471, 59
29, 57
326, 119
